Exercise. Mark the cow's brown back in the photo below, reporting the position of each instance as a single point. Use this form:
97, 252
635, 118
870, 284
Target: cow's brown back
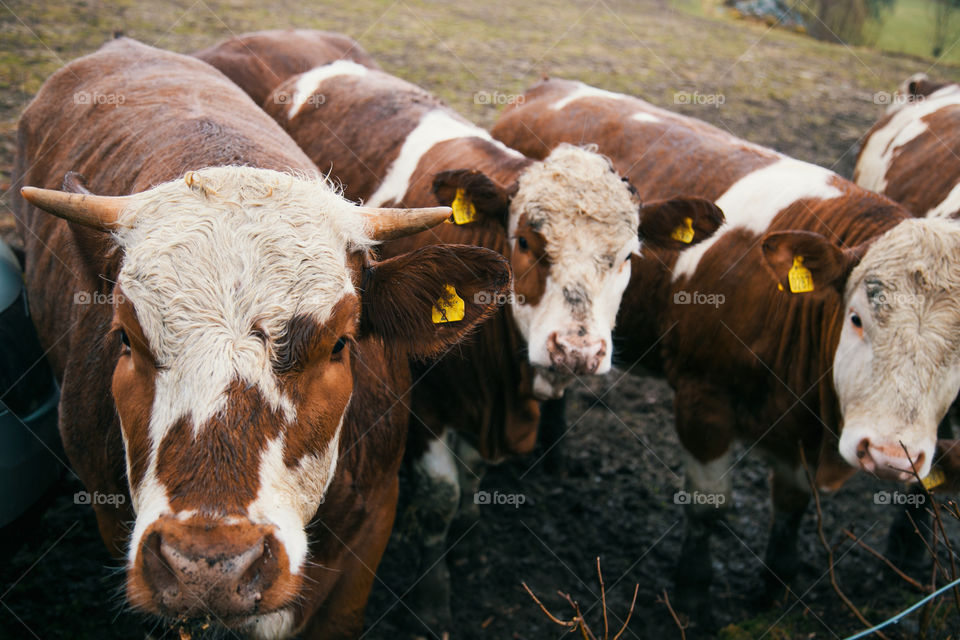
258, 62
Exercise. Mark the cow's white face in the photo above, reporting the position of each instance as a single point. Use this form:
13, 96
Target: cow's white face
572, 228
897, 366
234, 377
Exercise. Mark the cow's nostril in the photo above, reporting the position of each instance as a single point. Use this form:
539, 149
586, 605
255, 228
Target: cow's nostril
157, 570
863, 448
918, 463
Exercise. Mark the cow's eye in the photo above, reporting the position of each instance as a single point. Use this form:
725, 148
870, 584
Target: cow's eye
124, 340
856, 321
338, 347
522, 243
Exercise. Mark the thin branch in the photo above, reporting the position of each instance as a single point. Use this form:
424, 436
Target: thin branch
633, 603
665, 599
826, 546
876, 554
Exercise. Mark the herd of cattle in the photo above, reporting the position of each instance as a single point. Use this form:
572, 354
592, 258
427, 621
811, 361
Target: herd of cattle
250, 385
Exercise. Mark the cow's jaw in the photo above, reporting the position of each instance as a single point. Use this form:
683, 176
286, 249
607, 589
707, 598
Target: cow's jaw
898, 372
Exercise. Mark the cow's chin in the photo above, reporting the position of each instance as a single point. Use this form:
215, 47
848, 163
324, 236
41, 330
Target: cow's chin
268, 626
549, 385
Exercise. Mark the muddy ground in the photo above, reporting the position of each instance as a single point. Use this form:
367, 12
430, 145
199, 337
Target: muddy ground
615, 497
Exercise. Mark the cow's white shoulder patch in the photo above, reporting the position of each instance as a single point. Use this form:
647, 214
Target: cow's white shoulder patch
754, 200
948, 207
585, 91
308, 82
435, 127
905, 125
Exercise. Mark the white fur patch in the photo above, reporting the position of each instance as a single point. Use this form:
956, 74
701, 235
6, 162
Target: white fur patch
435, 127
438, 463
643, 116
271, 626
289, 496
949, 206
585, 91
308, 83
712, 477
905, 125
755, 200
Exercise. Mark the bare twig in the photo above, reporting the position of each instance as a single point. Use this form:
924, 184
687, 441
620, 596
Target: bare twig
829, 549
876, 554
938, 524
636, 588
578, 623
665, 599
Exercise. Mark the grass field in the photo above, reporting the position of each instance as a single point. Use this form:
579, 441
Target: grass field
908, 28
809, 99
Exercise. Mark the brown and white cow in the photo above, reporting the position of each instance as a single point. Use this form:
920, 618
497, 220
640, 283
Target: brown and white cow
257, 62
567, 223
232, 358
820, 316
912, 154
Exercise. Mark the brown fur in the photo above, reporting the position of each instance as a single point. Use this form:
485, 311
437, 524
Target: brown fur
924, 170
258, 62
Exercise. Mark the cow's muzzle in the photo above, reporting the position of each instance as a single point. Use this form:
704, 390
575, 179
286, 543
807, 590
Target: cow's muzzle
576, 352
198, 570
890, 461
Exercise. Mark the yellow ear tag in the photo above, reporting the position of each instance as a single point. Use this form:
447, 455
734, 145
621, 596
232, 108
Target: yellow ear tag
448, 310
801, 280
463, 209
935, 478
684, 233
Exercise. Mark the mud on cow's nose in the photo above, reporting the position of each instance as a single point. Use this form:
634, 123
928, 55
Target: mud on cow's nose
223, 570
890, 461
576, 351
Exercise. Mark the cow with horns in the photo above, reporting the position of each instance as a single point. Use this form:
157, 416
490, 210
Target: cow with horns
232, 355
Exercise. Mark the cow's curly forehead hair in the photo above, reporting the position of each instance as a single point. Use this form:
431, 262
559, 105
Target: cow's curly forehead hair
218, 260
576, 192
916, 257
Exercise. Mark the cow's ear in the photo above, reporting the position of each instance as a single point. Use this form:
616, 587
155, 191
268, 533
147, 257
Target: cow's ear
806, 262
677, 223
472, 195
427, 300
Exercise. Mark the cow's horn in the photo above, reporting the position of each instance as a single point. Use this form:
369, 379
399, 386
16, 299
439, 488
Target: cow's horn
389, 224
97, 212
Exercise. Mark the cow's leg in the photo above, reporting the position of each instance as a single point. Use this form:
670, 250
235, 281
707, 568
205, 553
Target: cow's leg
791, 495
705, 428
432, 508
471, 468
553, 426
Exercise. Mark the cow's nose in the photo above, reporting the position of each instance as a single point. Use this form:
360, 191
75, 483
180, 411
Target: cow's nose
576, 351
191, 576
889, 461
